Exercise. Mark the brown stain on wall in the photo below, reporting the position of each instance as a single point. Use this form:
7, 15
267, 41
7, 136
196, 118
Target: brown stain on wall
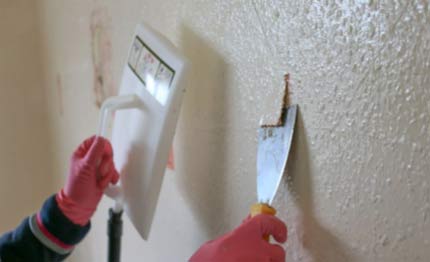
59, 87
101, 48
171, 160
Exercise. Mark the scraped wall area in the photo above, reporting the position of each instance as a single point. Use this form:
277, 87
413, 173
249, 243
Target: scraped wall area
358, 187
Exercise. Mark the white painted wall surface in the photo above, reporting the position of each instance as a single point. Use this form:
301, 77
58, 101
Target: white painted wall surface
360, 183
25, 180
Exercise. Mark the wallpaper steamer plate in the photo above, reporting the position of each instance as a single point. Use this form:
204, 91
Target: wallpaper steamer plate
150, 97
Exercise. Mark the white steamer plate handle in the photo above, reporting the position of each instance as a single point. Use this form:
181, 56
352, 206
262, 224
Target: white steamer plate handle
108, 107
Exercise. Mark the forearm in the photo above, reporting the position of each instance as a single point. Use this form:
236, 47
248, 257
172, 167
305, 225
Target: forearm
63, 221
45, 236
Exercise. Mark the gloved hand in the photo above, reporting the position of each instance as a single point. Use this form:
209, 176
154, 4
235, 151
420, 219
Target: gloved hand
246, 243
91, 171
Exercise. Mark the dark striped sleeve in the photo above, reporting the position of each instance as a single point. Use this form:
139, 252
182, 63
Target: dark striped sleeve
45, 236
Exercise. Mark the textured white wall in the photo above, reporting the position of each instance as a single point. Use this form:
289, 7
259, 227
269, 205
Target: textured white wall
25, 180
359, 186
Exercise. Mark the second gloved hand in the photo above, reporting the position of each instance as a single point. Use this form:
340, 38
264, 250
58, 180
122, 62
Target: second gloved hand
91, 171
246, 243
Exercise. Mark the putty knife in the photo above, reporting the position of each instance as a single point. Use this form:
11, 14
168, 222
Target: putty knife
274, 143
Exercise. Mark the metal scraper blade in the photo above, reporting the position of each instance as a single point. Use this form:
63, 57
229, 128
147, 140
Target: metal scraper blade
274, 143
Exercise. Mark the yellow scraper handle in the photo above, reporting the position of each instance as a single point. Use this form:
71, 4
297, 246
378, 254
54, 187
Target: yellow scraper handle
261, 208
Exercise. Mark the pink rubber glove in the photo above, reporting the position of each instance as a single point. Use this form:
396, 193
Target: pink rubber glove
246, 243
91, 171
